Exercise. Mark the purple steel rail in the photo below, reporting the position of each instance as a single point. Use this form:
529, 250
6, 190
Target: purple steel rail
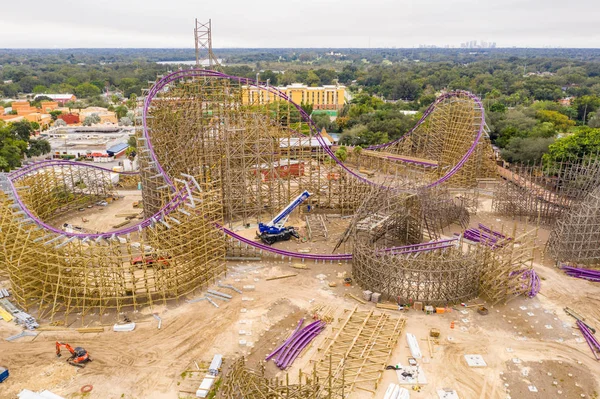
298, 349
206, 73
287, 341
587, 274
589, 338
299, 342
283, 354
531, 281
16, 174
487, 236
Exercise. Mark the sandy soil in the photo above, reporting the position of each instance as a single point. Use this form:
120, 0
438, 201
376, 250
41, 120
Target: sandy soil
152, 363
102, 218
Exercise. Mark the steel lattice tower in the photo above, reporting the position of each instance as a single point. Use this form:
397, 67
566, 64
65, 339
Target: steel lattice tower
203, 39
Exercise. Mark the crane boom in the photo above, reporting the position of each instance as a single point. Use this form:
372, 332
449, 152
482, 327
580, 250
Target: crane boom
276, 224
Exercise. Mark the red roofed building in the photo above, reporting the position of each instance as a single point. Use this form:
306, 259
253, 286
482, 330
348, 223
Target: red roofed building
71, 119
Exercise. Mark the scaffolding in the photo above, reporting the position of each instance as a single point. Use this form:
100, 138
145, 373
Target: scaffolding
449, 145
358, 350
507, 270
575, 237
544, 193
240, 382
58, 273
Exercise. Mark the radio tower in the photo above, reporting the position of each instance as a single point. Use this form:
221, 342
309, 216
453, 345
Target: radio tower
203, 37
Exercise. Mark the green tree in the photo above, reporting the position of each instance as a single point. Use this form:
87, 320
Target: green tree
86, 90
11, 148
54, 114
11, 155
585, 106
22, 130
594, 120
91, 120
4, 166
341, 153
526, 149
348, 74
544, 129
121, 111
38, 89
312, 79
562, 122
132, 101
28, 83
38, 147
584, 142
270, 76
131, 152
132, 142
130, 86
308, 108
498, 107
326, 76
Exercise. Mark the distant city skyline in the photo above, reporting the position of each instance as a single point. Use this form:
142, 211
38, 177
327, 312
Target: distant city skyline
326, 24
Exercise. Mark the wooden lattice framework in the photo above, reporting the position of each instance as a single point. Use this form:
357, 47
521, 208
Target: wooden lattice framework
575, 237
240, 382
438, 144
56, 274
545, 193
357, 351
506, 268
436, 277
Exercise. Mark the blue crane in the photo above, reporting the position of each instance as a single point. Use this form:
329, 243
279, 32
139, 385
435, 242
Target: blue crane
275, 230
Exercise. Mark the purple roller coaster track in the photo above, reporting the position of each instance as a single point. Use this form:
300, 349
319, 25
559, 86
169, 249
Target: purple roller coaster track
181, 195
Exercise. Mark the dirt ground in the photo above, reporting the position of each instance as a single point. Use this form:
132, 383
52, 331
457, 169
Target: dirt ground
525, 342
103, 218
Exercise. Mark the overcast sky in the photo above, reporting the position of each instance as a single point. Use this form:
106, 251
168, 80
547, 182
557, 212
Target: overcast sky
299, 23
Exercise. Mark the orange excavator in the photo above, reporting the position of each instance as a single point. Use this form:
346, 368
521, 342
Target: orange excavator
79, 356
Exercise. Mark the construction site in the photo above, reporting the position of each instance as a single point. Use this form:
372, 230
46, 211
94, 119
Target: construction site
245, 260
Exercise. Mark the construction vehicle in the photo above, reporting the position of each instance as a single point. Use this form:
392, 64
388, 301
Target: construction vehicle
275, 230
3, 373
79, 356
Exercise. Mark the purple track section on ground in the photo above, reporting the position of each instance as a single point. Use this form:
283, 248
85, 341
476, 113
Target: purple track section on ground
299, 342
587, 274
589, 338
276, 351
